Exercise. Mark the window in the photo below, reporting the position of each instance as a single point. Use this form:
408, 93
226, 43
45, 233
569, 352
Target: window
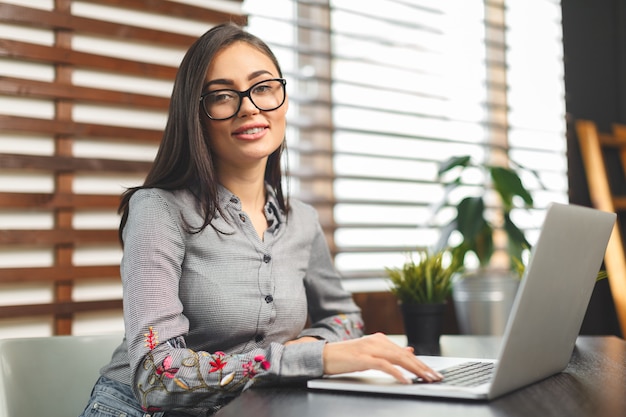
386, 90
380, 92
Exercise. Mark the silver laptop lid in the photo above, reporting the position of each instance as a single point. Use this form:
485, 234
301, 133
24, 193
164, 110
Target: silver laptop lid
553, 296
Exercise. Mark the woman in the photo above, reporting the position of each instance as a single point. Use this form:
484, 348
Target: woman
220, 271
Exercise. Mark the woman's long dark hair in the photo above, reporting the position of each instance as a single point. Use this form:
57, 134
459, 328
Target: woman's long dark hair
185, 159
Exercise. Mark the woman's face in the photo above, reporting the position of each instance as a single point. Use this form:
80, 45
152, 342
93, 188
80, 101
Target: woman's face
251, 135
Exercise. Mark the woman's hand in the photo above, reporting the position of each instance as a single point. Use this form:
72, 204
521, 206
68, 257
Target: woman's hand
375, 351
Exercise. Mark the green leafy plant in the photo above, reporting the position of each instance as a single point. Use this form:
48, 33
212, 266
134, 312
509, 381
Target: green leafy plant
429, 280
476, 230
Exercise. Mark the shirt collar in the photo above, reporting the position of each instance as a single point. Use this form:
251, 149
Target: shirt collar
272, 208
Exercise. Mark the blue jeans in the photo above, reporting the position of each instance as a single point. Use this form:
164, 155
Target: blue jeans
113, 399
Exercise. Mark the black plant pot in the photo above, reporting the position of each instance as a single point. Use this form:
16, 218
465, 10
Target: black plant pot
423, 324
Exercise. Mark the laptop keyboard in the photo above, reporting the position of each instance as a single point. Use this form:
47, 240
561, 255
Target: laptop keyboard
467, 374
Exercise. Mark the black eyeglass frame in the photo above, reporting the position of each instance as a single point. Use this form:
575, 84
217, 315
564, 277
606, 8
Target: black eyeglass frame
243, 94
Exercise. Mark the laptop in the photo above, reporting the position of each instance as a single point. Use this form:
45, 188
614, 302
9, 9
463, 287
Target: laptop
544, 322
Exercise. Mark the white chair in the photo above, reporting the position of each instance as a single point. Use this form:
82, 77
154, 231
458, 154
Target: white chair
51, 376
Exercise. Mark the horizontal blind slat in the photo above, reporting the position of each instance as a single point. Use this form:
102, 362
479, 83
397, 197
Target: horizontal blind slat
58, 273
178, 9
58, 236
19, 87
60, 308
70, 128
56, 55
69, 164
44, 201
58, 20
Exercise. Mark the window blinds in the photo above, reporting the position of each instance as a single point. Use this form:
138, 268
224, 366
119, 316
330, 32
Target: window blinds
391, 88
84, 91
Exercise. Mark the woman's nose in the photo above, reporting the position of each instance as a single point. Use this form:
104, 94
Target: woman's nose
247, 107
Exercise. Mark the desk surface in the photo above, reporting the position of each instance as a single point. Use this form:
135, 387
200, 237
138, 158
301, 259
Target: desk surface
592, 385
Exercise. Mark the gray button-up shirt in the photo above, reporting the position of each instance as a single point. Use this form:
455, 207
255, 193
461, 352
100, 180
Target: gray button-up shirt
207, 314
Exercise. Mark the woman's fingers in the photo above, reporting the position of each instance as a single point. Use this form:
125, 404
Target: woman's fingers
405, 358
378, 352
388, 367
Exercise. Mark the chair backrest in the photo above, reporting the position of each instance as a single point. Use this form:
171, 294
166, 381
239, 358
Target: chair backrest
600, 152
51, 376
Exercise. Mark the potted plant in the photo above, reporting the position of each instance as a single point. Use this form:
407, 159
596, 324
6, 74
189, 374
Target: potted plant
422, 288
472, 223
484, 297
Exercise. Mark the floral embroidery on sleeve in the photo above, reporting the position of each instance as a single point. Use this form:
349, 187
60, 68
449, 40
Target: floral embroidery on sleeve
233, 381
166, 369
250, 369
345, 325
152, 338
218, 362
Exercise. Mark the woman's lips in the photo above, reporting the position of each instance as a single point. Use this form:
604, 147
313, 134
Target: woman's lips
250, 133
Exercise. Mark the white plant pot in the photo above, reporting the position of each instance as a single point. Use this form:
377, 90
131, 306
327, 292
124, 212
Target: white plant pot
483, 301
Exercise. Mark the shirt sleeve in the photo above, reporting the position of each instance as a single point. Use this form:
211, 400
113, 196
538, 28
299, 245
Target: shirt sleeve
334, 315
165, 374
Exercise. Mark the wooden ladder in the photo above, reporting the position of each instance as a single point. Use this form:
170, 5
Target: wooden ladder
601, 152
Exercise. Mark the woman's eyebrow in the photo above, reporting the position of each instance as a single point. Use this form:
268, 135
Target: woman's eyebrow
258, 73
220, 81
229, 82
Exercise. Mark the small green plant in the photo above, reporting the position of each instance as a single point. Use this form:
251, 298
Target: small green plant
429, 280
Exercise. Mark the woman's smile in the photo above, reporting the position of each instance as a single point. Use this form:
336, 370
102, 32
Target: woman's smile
251, 131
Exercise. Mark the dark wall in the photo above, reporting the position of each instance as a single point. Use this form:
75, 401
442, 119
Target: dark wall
594, 41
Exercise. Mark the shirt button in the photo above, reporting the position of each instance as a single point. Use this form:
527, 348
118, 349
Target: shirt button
258, 338
267, 258
242, 218
269, 299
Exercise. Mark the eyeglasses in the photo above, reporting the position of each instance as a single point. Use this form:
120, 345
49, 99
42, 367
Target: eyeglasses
266, 95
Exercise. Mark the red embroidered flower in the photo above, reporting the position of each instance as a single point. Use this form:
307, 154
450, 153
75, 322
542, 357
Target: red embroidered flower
341, 323
166, 368
249, 370
151, 409
261, 360
152, 338
218, 362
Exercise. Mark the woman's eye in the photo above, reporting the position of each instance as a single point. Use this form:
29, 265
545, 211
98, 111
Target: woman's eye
261, 89
221, 97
